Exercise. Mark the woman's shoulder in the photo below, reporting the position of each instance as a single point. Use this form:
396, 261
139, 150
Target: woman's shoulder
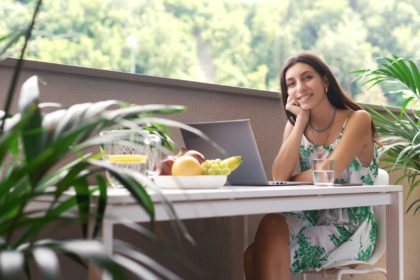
360, 114
359, 119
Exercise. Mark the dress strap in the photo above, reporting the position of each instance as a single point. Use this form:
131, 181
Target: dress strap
342, 128
345, 122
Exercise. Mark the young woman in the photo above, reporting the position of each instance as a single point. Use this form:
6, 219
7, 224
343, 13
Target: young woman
322, 123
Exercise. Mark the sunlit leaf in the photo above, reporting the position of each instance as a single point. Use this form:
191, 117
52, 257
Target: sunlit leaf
90, 250
47, 261
11, 264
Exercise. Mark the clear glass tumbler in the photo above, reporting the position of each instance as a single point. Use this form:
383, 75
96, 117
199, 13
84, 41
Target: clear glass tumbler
154, 155
323, 172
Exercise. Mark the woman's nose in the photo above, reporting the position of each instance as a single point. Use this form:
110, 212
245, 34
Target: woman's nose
300, 86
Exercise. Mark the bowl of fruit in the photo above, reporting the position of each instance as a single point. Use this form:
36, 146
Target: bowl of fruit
190, 169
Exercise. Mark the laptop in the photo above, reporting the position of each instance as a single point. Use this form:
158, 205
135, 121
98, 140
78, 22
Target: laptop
236, 137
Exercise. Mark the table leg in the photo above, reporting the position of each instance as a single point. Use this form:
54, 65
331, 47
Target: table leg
245, 238
394, 237
107, 236
237, 241
245, 233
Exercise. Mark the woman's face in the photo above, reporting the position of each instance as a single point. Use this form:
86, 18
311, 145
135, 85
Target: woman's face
305, 85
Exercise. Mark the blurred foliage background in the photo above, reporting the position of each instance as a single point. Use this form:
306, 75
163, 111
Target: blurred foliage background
231, 42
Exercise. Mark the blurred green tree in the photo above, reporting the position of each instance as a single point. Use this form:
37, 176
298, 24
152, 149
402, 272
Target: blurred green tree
238, 43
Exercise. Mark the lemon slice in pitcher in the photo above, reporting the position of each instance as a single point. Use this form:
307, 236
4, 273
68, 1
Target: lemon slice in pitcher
127, 158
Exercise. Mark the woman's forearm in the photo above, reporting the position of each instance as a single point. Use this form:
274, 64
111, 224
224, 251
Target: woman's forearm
288, 156
303, 176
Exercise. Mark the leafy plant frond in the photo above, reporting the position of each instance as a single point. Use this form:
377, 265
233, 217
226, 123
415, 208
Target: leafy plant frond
48, 178
17, 70
37, 142
399, 133
394, 69
11, 40
47, 261
11, 264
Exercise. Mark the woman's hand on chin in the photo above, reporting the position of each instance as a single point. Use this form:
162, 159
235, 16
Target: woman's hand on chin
293, 107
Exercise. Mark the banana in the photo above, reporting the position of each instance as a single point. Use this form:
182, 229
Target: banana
233, 162
181, 152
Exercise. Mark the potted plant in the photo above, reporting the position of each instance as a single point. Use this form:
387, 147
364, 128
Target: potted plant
400, 133
33, 144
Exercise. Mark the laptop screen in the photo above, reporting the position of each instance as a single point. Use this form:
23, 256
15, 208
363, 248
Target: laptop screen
237, 138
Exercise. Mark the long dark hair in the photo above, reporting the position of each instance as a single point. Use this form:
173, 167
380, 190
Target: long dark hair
335, 93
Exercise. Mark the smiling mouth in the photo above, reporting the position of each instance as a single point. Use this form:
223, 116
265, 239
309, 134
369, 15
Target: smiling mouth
304, 98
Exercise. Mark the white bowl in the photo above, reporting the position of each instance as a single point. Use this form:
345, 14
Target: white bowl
191, 182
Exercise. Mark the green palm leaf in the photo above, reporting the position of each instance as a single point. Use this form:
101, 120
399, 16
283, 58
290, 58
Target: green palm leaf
134, 183
101, 206
81, 187
32, 225
17, 70
62, 134
416, 76
33, 146
90, 250
399, 133
11, 40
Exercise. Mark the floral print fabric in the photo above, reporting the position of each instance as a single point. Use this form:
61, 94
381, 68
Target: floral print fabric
321, 238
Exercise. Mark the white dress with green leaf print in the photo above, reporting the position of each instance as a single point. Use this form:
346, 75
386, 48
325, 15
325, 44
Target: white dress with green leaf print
321, 238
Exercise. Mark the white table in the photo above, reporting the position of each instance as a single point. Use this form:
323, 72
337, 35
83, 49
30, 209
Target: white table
241, 201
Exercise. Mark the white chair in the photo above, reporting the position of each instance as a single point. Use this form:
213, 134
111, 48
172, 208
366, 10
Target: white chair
351, 267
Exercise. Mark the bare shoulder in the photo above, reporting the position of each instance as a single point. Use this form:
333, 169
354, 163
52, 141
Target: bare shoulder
360, 120
361, 115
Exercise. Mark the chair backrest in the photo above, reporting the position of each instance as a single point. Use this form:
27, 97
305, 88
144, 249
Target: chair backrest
380, 217
382, 178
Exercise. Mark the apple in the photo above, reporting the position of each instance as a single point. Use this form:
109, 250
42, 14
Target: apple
166, 165
196, 154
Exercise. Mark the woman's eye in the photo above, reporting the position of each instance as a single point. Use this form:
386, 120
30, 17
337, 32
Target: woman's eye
308, 78
290, 85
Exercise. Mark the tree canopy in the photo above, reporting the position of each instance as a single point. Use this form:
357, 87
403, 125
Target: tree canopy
232, 42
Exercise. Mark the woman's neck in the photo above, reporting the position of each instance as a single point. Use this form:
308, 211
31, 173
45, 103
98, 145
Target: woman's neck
321, 115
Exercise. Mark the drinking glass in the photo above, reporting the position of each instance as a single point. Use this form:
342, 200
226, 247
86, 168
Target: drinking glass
125, 149
154, 155
323, 172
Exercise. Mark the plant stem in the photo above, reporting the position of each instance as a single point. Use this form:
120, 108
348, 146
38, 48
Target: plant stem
18, 67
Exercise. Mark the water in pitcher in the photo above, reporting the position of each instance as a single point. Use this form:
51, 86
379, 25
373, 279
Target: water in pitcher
133, 162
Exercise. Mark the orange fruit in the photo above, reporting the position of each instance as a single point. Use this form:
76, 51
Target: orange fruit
186, 166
